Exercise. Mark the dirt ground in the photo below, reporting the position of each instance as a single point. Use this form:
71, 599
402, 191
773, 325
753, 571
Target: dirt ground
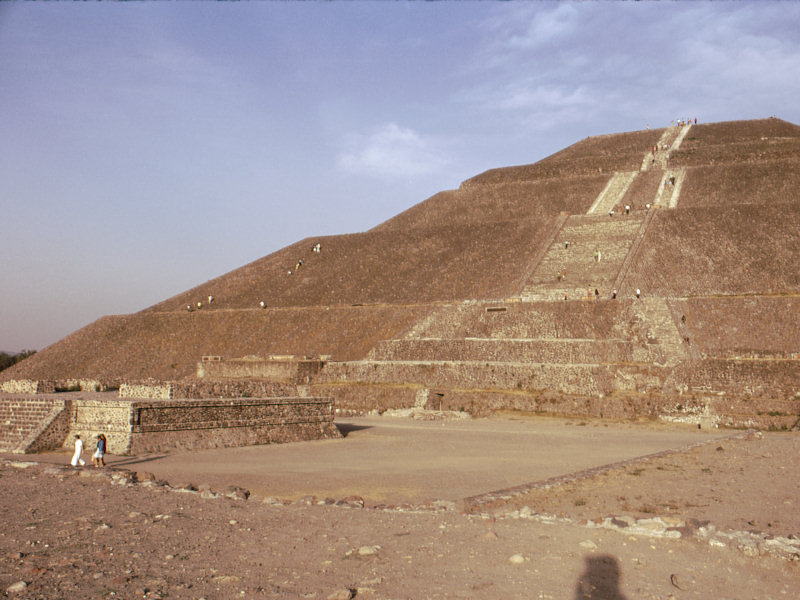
86, 533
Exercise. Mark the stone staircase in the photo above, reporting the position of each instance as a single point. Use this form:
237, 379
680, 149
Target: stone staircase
573, 269
662, 335
543, 356
669, 190
677, 143
22, 419
613, 193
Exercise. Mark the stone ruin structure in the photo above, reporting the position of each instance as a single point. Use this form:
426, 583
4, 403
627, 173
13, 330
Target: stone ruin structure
646, 274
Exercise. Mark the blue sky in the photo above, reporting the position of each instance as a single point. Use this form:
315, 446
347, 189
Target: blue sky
148, 147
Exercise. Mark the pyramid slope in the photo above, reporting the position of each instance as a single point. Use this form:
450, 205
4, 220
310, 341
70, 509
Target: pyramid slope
440, 263
720, 250
733, 231
168, 345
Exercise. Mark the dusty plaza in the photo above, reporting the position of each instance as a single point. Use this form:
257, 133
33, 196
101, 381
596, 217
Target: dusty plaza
393, 510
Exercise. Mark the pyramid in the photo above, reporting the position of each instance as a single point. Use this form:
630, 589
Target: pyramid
516, 291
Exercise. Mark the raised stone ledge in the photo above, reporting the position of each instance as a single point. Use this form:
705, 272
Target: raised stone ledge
32, 387
145, 391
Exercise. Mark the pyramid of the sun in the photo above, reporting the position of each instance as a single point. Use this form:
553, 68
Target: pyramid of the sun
498, 295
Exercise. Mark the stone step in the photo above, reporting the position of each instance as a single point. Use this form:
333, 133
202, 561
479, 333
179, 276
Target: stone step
571, 263
615, 190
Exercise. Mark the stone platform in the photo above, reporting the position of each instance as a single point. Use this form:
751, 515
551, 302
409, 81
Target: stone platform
135, 426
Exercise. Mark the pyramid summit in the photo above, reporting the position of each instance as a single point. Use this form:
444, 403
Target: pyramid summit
648, 273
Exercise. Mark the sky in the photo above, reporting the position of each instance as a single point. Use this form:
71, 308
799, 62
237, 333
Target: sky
148, 147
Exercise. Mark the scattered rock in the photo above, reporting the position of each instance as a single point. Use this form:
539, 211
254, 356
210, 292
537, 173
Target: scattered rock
516, 559
588, 544
344, 594
368, 550
17, 588
352, 502
237, 493
18, 464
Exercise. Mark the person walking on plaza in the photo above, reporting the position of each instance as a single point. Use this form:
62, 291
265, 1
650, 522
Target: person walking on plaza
77, 458
99, 453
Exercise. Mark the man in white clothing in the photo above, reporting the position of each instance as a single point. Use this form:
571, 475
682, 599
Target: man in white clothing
77, 458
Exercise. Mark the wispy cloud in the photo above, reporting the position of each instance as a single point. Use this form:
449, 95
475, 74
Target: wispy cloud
391, 151
542, 26
545, 66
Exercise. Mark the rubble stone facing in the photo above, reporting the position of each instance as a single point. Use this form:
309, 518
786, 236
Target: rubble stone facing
19, 386
211, 423
146, 391
134, 427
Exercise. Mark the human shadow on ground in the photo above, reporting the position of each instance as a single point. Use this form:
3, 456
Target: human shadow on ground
600, 579
136, 460
346, 428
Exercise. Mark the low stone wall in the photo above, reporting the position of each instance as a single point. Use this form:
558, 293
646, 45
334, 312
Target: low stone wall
49, 386
161, 391
285, 371
86, 385
251, 388
135, 427
28, 386
109, 416
19, 386
193, 424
